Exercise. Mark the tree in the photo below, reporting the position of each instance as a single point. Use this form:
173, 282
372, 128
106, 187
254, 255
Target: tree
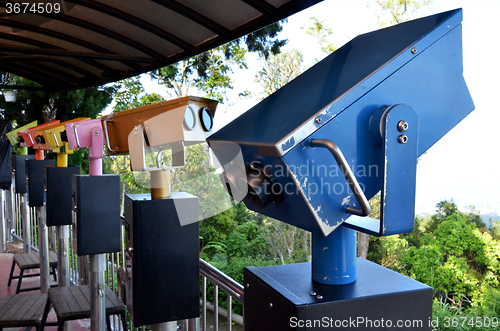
210, 71
390, 12
279, 70
45, 106
322, 32
458, 260
363, 238
131, 95
448, 208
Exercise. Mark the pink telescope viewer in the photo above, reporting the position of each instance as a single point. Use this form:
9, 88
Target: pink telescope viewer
88, 133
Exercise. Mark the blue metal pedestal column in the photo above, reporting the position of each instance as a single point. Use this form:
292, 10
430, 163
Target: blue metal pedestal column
334, 257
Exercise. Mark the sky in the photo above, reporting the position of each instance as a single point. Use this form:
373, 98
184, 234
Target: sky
464, 164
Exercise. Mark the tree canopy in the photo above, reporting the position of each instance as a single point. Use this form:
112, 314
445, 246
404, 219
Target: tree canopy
45, 106
210, 71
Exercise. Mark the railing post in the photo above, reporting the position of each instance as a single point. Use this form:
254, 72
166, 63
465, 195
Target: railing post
204, 304
216, 308
229, 312
2, 221
193, 324
25, 215
10, 214
43, 246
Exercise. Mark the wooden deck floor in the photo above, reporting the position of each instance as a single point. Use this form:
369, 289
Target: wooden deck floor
5, 265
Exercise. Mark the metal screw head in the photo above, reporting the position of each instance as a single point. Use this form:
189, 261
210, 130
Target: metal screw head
319, 297
318, 120
248, 285
270, 305
403, 139
97, 133
414, 50
313, 294
402, 126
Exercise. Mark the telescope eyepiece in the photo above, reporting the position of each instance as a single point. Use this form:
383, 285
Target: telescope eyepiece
40, 139
64, 136
263, 188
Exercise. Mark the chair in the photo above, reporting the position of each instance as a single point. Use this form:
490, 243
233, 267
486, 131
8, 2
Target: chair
27, 261
24, 310
73, 302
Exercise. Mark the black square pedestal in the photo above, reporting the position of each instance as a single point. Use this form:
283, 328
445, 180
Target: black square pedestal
35, 173
163, 257
97, 226
58, 187
285, 298
19, 168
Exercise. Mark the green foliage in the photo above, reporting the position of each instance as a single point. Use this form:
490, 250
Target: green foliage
80, 157
322, 32
234, 268
391, 12
265, 41
131, 95
278, 70
45, 106
447, 208
210, 71
457, 259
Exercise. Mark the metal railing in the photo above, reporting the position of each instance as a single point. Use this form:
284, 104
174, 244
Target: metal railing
79, 272
226, 284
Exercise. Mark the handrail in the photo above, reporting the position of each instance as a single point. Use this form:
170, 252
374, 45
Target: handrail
232, 287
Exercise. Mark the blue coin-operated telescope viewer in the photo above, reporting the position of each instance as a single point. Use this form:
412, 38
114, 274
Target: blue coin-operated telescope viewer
317, 149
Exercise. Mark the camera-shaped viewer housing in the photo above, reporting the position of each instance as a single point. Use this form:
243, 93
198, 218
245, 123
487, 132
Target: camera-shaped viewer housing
12, 135
27, 137
54, 137
168, 124
352, 125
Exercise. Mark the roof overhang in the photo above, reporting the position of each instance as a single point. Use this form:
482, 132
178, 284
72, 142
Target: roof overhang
90, 43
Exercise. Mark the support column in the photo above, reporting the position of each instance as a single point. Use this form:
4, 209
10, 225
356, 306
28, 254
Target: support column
334, 257
97, 292
26, 223
43, 246
160, 189
10, 214
62, 232
2, 221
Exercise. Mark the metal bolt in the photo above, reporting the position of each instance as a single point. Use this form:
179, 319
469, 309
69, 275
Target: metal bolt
135, 133
414, 50
403, 139
313, 294
319, 297
248, 285
318, 120
101, 292
270, 305
402, 126
97, 133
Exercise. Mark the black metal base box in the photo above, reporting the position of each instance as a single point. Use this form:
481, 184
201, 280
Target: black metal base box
96, 202
58, 195
18, 166
35, 173
285, 298
163, 258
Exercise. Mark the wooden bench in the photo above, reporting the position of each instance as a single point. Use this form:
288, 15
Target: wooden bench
27, 261
73, 302
24, 310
